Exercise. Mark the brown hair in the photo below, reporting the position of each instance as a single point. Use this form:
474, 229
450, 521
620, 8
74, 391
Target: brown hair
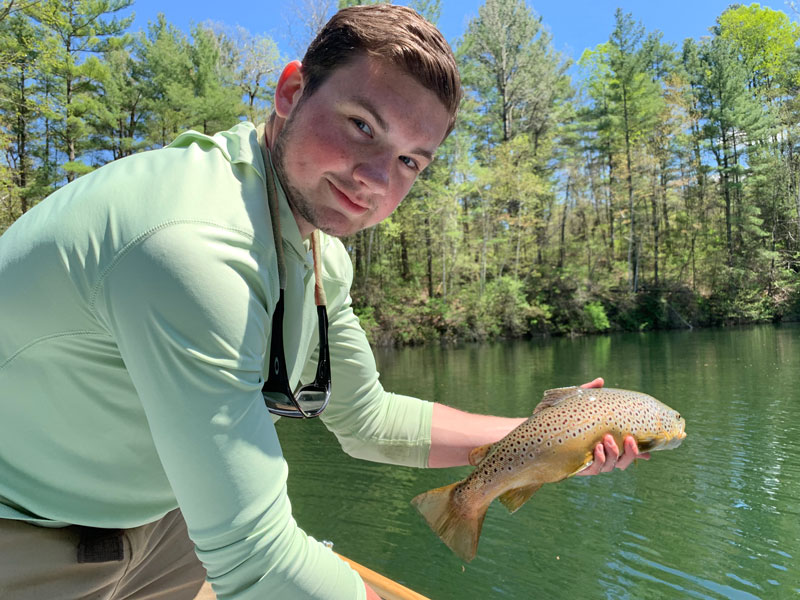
397, 34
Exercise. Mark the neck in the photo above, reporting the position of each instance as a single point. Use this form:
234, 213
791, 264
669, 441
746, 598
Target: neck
272, 128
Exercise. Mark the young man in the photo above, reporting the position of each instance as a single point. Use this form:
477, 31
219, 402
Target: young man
144, 306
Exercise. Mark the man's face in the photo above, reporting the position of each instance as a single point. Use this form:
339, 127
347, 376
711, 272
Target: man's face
348, 154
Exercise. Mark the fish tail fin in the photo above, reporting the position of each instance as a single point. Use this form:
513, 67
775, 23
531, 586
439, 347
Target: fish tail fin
456, 528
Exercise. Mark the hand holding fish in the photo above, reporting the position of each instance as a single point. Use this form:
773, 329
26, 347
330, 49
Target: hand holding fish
606, 454
566, 435
607, 458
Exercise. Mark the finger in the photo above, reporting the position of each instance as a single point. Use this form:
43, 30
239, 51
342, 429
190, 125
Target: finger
595, 383
597, 464
631, 451
611, 452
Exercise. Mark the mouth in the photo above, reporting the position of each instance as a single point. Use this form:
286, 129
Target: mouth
676, 440
346, 202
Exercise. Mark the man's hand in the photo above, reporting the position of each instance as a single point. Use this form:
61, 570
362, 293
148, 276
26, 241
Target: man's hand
606, 454
607, 458
596, 383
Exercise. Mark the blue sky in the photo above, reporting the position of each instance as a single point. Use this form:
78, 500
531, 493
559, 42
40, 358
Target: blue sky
575, 24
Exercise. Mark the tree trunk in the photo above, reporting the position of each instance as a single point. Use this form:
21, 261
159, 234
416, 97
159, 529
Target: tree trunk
655, 225
726, 191
632, 241
429, 255
484, 243
405, 271
444, 266
358, 247
22, 142
610, 207
369, 255
519, 242
70, 140
561, 246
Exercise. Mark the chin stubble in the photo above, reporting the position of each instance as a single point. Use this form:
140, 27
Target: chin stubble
297, 202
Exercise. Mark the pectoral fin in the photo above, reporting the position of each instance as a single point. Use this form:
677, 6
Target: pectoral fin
587, 462
479, 453
646, 444
583, 467
513, 499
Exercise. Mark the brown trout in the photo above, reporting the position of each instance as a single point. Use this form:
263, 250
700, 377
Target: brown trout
556, 442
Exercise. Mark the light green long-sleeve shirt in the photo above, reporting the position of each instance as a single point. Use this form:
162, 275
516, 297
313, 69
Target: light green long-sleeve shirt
135, 316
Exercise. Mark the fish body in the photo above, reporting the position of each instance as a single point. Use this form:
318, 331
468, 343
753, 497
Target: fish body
556, 442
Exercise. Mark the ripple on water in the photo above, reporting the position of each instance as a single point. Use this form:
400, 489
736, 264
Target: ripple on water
666, 578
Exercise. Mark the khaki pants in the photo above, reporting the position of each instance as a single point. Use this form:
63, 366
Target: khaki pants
158, 562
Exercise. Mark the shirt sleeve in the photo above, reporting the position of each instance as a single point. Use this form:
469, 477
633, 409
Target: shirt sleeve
188, 308
369, 422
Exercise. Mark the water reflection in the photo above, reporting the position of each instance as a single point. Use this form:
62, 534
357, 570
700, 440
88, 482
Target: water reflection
716, 518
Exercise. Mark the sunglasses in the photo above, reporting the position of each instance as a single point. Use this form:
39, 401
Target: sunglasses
308, 400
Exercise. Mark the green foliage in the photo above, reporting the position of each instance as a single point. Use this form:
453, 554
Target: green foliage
504, 309
77, 90
664, 195
346, 3
765, 39
430, 9
663, 192
76, 32
508, 63
596, 318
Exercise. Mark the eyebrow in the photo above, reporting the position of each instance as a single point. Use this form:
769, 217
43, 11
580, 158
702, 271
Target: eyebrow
367, 105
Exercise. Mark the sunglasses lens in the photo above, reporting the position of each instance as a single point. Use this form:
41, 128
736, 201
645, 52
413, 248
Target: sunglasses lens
312, 399
279, 403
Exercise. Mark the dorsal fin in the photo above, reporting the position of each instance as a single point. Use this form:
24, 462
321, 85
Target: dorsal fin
556, 396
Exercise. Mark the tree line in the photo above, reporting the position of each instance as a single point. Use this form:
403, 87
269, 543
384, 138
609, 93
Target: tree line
649, 185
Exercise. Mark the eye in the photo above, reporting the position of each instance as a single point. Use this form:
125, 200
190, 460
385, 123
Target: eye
410, 163
362, 126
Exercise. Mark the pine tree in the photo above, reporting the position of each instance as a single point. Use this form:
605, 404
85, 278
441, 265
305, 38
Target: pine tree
79, 32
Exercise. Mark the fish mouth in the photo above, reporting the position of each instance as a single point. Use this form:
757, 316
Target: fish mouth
673, 441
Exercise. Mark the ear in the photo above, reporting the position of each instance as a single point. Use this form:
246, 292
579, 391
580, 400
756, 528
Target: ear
289, 88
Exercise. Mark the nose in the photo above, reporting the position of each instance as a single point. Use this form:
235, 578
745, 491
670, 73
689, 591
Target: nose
373, 172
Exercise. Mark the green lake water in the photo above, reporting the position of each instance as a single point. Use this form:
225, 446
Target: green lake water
718, 517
